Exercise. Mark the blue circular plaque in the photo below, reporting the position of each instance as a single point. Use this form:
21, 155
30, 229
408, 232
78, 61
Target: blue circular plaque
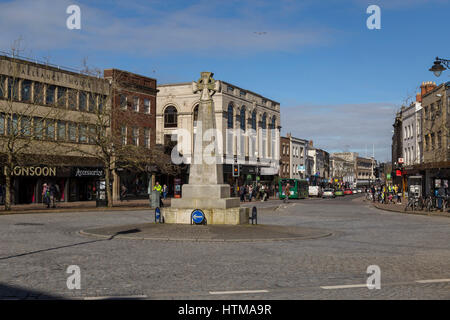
198, 216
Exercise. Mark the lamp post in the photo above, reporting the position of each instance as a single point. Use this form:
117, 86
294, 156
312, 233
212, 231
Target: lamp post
438, 66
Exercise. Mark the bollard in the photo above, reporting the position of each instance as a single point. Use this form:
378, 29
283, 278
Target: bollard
254, 216
158, 215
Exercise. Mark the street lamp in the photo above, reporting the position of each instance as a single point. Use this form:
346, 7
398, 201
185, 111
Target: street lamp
437, 67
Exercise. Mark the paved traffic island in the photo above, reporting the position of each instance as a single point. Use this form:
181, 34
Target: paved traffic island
207, 233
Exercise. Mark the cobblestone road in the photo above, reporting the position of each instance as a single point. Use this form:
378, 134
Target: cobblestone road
36, 250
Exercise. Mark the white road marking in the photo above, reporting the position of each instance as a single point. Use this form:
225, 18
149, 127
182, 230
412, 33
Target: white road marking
238, 292
433, 281
345, 286
115, 297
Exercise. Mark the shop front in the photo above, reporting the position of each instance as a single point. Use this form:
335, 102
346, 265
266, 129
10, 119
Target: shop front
73, 183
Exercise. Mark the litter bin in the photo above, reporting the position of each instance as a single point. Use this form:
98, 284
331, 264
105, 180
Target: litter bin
101, 196
155, 198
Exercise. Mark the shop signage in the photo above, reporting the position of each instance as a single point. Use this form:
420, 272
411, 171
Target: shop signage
301, 168
33, 171
88, 172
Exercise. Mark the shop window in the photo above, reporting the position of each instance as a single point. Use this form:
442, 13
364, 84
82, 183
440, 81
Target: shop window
101, 103
92, 135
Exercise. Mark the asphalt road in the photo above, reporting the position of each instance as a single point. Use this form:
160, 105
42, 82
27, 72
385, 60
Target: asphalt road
412, 252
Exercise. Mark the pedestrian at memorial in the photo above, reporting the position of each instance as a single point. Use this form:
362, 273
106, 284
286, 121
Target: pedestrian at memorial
123, 192
250, 193
53, 195
158, 188
46, 195
165, 191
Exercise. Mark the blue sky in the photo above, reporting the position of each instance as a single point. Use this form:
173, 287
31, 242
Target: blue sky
338, 82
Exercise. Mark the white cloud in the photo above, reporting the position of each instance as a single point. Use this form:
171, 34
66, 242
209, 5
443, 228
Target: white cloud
198, 27
350, 127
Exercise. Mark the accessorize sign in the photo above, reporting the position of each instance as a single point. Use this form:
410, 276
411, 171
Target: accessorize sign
32, 171
88, 172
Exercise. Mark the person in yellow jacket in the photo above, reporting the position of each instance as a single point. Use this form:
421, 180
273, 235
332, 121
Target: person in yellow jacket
158, 188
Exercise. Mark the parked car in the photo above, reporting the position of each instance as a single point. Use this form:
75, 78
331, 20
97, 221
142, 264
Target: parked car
328, 193
348, 191
360, 190
354, 191
339, 193
315, 191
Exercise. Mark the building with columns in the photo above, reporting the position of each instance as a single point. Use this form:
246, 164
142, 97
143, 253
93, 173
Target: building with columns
247, 123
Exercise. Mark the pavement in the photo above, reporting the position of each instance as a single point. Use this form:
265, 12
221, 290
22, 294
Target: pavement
400, 207
213, 233
411, 251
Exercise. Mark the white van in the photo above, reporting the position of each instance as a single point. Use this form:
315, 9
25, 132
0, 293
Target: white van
315, 191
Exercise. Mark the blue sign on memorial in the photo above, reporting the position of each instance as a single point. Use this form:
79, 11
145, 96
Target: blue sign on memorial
198, 217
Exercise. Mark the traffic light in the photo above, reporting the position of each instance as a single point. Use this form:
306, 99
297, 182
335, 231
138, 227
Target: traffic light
235, 170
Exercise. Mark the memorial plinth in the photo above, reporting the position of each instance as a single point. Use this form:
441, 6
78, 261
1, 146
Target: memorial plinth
206, 190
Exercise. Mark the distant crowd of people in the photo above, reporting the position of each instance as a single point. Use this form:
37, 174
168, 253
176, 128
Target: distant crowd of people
248, 192
385, 193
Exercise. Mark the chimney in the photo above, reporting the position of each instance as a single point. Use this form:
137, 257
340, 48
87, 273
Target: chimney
419, 97
427, 87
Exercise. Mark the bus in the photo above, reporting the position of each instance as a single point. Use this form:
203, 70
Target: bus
299, 188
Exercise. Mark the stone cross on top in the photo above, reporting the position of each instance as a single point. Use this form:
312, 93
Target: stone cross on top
207, 85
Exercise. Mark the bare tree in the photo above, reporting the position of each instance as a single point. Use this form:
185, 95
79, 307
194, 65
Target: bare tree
27, 120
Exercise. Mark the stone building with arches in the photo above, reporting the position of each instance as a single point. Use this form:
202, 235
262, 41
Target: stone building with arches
247, 123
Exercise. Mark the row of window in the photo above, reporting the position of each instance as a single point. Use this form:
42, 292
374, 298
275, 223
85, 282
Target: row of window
48, 129
134, 133
243, 94
230, 119
433, 141
135, 104
27, 91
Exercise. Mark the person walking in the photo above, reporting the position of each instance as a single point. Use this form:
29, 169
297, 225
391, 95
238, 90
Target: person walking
53, 195
287, 192
46, 195
165, 191
123, 192
250, 193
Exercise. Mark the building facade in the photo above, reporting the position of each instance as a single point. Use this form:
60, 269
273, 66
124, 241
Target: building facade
285, 158
134, 123
48, 112
248, 128
298, 157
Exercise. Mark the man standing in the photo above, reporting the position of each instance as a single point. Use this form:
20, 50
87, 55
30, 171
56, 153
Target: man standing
158, 188
287, 192
165, 191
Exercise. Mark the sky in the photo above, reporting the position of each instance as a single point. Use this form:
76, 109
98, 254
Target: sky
338, 82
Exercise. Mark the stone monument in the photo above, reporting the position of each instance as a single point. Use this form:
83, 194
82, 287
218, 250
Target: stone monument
206, 190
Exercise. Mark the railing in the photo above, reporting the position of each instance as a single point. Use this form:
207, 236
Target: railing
46, 63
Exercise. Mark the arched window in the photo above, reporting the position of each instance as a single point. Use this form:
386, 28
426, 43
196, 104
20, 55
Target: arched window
230, 116
272, 126
254, 119
264, 121
243, 118
195, 115
170, 117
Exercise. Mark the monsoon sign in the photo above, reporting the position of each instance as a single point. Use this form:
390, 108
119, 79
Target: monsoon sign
32, 171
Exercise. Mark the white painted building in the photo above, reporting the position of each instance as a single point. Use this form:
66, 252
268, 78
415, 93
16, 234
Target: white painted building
298, 157
256, 150
412, 134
